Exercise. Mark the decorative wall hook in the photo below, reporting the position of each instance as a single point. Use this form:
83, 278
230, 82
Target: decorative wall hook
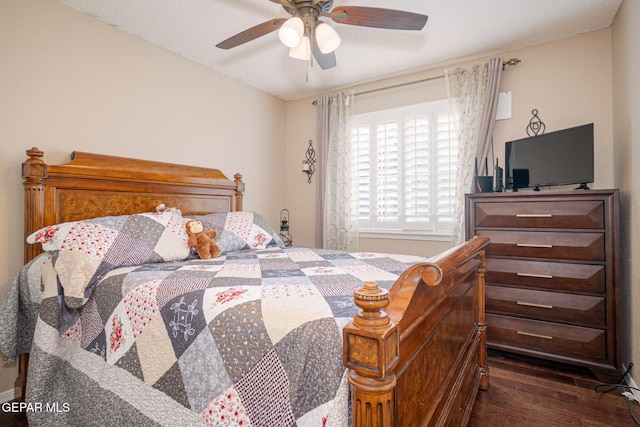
309, 164
536, 126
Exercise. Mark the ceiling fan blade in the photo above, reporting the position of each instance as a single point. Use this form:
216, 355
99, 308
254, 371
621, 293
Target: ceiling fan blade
324, 60
251, 34
378, 18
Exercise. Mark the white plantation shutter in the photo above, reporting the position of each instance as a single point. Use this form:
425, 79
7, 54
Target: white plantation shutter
417, 171
447, 155
406, 167
387, 194
361, 149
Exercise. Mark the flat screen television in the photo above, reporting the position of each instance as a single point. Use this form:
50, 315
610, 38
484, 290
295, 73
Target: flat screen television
562, 157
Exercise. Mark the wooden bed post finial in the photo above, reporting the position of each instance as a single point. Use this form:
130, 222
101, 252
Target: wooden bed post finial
371, 350
372, 300
34, 168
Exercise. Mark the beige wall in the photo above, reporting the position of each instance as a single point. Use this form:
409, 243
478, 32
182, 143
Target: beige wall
69, 82
626, 139
568, 81
301, 196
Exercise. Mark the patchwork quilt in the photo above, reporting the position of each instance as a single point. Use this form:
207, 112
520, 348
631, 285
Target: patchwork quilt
252, 338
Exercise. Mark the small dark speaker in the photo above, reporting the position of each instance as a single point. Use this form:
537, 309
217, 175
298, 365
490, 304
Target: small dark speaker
497, 179
520, 178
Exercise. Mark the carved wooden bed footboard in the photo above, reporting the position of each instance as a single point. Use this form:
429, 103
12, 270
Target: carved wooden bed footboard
416, 353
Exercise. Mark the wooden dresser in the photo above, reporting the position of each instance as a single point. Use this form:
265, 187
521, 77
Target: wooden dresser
552, 274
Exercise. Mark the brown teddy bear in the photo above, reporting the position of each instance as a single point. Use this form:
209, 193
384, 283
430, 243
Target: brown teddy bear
202, 239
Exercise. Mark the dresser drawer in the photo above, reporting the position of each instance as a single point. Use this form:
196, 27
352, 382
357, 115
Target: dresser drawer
560, 276
527, 214
552, 306
588, 246
549, 338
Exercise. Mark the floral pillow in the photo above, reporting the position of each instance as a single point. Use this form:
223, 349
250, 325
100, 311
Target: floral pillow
241, 230
85, 251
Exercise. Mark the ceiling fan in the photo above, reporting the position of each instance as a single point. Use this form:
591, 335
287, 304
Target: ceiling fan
305, 34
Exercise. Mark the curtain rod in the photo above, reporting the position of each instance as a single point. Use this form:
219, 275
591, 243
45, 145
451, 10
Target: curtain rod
415, 82
510, 62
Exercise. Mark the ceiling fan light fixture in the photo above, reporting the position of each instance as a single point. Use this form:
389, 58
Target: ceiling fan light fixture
302, 51
291, 32
327, 38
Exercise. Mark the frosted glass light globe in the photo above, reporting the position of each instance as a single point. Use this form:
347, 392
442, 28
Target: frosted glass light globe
291, 31
327, 38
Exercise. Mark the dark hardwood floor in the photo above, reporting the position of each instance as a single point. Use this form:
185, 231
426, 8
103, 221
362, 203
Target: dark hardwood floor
11, 419
525, 392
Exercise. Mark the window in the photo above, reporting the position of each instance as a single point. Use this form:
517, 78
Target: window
404, 167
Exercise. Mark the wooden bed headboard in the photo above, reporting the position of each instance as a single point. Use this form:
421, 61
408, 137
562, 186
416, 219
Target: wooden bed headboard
95, 185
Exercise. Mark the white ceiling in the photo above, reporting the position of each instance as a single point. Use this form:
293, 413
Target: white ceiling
456, 29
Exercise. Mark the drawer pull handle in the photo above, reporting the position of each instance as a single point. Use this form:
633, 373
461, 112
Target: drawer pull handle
529, 334
533, 304
534, 215
532, 245
537, 276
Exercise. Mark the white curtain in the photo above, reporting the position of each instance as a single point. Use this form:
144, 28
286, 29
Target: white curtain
321, 164
335, 229
473, 93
